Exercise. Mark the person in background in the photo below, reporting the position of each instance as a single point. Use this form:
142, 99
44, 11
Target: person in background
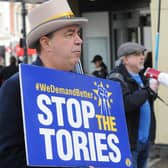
101, 68
148, 60
56, 36
1, 63
8, 71
1, 67
137, 95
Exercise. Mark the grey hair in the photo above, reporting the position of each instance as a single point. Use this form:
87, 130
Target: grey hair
118, 61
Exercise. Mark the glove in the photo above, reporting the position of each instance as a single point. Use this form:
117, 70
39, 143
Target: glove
152, 73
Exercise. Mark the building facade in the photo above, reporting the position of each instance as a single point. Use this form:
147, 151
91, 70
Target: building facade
110, 24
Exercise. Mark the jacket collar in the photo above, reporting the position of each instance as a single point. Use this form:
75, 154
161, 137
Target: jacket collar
127, 76
38, 62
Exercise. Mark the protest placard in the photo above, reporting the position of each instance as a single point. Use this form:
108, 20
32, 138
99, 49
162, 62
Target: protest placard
72, 119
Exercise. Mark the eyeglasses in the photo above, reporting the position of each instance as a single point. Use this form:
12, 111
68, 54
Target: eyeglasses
139, 53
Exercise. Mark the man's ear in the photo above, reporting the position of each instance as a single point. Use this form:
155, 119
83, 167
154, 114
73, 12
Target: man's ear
125, 59
45, 43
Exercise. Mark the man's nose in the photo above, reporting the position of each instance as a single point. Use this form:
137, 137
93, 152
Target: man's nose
78, 39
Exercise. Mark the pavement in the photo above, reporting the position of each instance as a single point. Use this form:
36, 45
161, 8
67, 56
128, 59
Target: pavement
158, 157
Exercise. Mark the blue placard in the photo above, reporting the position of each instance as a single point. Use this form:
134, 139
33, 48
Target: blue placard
72, 119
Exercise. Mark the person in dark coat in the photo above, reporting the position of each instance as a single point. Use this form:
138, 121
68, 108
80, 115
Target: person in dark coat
9, 70
101, 68
1, 67
137, 95
58, 43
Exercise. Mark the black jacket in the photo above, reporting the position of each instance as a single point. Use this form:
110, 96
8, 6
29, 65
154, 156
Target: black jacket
8, 71
12, 147
101, 72
134, 97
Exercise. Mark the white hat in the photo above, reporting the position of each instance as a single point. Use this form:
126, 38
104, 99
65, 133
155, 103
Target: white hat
48, 17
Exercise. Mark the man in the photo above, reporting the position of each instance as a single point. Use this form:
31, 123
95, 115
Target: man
8, 71
55, 33
101, 68
137, 95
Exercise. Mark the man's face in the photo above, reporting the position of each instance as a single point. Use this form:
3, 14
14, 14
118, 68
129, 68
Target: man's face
135, 62
63, 49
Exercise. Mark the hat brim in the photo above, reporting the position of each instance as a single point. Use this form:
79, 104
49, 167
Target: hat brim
51, 26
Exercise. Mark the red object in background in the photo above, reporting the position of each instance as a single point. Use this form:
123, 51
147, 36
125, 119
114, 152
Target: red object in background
20, 51
8, 49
